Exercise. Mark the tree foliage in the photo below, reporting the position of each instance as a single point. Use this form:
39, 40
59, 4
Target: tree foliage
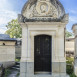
14, 29
68, 34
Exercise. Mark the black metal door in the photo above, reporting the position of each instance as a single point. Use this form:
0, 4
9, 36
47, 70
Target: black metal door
42, 53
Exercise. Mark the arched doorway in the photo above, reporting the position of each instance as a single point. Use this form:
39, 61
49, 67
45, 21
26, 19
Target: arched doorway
42, 53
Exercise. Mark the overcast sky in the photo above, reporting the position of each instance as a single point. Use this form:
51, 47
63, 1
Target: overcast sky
9, 9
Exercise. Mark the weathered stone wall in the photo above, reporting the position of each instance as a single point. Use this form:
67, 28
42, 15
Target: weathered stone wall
7, 53
18, 51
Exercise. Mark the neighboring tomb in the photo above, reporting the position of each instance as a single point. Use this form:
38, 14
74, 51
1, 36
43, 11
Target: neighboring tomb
43, 25
70, 47
74, 28
7, 50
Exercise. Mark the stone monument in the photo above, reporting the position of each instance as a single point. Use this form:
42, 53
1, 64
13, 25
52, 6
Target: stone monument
43, 25
74, 28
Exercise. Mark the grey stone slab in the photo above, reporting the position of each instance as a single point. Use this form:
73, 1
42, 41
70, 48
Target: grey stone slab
55, 67
30, 67
22, 75
62, 67
58, 69
23, 67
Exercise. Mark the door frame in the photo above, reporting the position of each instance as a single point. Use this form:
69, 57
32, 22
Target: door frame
31, 44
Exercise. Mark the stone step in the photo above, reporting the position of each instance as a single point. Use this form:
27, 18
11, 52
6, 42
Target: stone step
15, 68
17, 63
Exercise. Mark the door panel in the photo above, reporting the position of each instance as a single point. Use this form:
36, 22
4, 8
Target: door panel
42, 53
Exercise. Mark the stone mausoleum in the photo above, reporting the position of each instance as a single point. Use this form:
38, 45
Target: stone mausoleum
43, 25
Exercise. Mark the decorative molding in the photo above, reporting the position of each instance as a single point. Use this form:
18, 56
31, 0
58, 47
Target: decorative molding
42, 10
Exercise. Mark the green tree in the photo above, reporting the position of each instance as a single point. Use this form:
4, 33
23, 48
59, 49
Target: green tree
14, 29
68, 34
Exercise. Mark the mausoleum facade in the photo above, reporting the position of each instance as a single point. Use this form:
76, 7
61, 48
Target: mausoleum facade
43, 25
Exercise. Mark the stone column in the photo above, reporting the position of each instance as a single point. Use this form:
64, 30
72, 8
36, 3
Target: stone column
61, 57
74, 28
24, 53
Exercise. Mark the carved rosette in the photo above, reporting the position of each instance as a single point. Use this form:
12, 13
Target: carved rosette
45, 9
42, 8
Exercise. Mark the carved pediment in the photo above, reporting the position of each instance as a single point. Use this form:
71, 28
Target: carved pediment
43, 10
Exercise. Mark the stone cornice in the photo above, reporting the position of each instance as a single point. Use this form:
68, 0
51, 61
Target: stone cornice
22, 19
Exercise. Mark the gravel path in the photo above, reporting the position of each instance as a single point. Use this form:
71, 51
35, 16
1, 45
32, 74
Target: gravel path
13, 74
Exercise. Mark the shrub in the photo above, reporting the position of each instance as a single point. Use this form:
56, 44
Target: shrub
69, 60
18, 74
69, 69
7, 72
69, 66
17, 60
73, 75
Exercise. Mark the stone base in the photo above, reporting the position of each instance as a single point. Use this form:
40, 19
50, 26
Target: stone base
55, 75
27, 70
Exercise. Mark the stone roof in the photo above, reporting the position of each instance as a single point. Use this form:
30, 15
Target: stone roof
74, 25
70, 39
5, 37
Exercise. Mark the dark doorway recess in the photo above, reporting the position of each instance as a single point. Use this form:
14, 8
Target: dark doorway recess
42, 53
